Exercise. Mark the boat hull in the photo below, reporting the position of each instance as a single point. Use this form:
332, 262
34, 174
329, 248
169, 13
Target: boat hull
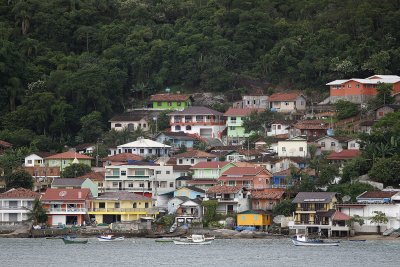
111, 239
176, 242
71, 241
302, 243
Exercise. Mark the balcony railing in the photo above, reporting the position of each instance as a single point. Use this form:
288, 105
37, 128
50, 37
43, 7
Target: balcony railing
113, 189
148, 210
204, 122
139, 176
69, 210
14, 208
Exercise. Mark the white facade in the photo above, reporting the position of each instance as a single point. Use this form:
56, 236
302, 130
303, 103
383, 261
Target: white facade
130, 125
293, 147
143, 147
192, 161
33, 160
353, 144
289, 105
201, 125
14, 210
151, 179
277, 129
328, 143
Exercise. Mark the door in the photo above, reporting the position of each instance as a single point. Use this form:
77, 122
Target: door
206, 133
59, 220
229, 208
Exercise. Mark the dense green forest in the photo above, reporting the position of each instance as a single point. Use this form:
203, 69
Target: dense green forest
61, 60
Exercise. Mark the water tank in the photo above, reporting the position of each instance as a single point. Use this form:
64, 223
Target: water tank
330, 132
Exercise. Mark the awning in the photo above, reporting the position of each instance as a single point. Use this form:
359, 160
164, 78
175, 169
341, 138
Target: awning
340, 216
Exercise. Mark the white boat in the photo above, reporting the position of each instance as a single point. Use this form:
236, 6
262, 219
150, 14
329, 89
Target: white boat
110, 238
206, 238
302, 240
195, 240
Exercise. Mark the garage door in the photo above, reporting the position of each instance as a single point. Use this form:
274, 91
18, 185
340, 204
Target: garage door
59, 219
206, 133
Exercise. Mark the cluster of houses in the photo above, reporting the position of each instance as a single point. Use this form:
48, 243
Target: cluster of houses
149, 177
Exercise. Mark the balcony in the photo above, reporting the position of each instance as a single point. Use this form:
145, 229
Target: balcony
67, 210
112, 177
141, 189
203, 122
130, 210
139, 176
14, 208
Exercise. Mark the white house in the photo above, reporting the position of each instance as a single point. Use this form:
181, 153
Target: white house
143, 147
293, 147
201, 121
193, 157
36, 159
134, 119
353, 144
287, 102
278, 127
15, 205
231, 199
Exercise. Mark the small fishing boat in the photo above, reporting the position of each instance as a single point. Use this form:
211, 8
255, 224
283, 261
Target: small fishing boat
302, 240
196, 240
69, 240
110, 238
206, 238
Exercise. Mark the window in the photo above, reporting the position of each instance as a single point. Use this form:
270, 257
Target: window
232, 128
168, 172
158, 172
139, 172
141, 185
141, 151
322, 144
233, 119
171, 184
358, 85
319, 206
134, 205
159, 104
349, 86
123, 173
118, 125
115, 184
188, 127
102, 205
178, 104
286, 103
146, 205
100, 184
333, 144
352, 145
380, 113
302, 103
29, 161
130, 185
169, 104
180, 161
191, 161
144, 125
283, 149
177, 128
232, 183
301, 149
279, 126
150, 151
116, 205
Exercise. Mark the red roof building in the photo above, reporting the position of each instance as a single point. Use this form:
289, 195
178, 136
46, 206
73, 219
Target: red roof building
15, 204
249, 177
69, 155
287, 102
345, 154
266, 199
66, 206
121, 158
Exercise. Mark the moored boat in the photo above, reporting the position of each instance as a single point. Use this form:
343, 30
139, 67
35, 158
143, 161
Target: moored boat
110, 238
69, 240
302, 240
195, 240
206, 238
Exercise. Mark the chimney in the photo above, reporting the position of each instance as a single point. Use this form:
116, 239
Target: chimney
79, 194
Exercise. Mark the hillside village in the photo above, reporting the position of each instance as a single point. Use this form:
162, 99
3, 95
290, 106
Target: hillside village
264, 156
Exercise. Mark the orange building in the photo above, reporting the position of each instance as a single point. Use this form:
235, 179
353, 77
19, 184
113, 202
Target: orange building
248, 177
360, 90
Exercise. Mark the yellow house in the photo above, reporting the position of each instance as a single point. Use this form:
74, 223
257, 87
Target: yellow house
257, 218
120, 206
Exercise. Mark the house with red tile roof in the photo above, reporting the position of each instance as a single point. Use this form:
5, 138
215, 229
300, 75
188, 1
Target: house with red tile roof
231, 199
266, 199
343, 155
170, 101
310, 128
193, 157
97, 178
376, 197
248, 177
15, 204
122, 158
287, 102
65, 159
66, 206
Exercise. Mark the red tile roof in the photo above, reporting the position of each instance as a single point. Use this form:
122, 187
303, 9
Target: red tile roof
244, 171
377, 194
340, 216
94, 176
267, 194
210, 165
195, 154
284, 97
69, 155
169, 97
344, 154
202, 182
123, 157
19, 193
242, 111
63, 194
224, 189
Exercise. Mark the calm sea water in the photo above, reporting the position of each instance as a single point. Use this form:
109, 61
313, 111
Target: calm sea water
244, 252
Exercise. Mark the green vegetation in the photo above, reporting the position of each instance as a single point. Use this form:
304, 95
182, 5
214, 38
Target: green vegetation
285, 207
346, 109
75, 170
19, 178
37, 214
378, 218
210, 212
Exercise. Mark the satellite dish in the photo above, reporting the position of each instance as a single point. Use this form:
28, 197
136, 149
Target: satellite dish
278, 219
346, 198
62, 193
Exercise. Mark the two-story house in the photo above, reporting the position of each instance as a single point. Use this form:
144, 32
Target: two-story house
146, 178
342, 156
201, 121
231, 199
311, 128
143, 147
193, 157
293, 147
234, 122
252, 101
278, 128
170, 101
122, 158
287, 102
133, 120
186, 210
35, 165
316, 213
69, 183
176, 139
121, 206
65, 159
15, 204
266, 199
248, 177
205, 174
66, 206
332, 143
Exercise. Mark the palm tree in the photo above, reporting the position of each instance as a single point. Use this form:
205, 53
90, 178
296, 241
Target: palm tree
379, 218
37, 214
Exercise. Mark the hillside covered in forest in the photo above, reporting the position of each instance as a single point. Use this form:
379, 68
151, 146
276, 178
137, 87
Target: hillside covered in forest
61, 60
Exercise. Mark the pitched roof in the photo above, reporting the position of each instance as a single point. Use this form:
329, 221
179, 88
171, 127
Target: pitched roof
340, 216
135, 115
284, 96
195, 154
169, 97
253, 212
94, 176
143, 142
377, 194
344, 154
314, 197
63, 194
193, 188
177, 135
267, 194
250, 152
243, 171
43, 154
67, 182
244, 164
123, 157
223, 189
210, 165
395, 107
19, 193
121, 195
69, 155
197, 110
242, 111
181, 167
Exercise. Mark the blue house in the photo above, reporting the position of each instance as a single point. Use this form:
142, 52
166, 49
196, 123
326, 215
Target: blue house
176, 139
191, 192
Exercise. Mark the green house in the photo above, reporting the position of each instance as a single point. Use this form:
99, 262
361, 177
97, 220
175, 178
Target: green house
65, 159
170, 101
210, 169
234, 122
